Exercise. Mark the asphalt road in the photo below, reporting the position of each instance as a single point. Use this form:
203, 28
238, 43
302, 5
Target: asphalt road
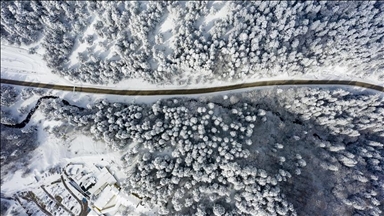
57, 203
193, 91
32, 197
84, 206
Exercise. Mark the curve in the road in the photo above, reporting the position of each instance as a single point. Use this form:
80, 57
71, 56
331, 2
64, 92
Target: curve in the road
84, 206
57, 203
194, 91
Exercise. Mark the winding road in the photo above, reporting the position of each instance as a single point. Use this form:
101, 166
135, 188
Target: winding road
193, 91
57, 202
84, 205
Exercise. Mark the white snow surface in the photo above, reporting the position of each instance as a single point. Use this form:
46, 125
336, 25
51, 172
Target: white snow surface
18, 64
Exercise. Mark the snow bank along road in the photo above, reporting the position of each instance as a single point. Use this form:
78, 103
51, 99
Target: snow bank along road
194, 91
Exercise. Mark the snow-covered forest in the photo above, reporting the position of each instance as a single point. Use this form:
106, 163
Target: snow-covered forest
262, 152
16, 143
198, 42
267, 151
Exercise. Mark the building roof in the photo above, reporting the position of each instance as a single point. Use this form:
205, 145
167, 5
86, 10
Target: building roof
104, 178
127, 200
106, 196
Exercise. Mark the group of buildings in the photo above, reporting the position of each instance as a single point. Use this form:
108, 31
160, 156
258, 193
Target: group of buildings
99, 187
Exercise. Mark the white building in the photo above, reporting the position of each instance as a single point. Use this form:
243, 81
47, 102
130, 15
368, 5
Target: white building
107, 198
110, 200
104, 178
105, 188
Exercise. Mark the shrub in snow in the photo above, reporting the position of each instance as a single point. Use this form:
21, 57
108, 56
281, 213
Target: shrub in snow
261, 112
138, 115
218, 210
9, 95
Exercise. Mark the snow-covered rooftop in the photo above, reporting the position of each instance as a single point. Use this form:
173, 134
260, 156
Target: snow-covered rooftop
104, 178
106, 196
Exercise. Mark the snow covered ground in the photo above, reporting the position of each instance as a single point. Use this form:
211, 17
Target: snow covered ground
53, 151
18, 64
